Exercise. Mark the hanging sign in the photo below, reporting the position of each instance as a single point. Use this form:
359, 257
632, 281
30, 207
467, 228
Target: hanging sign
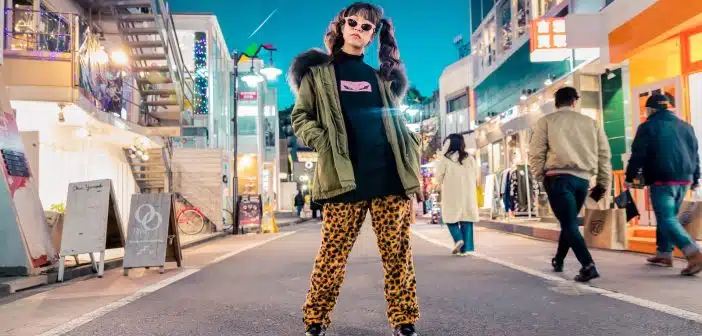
248, 95
152, 238
92, 223
549, 42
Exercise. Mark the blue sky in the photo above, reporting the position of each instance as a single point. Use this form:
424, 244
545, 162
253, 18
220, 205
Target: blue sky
424, 29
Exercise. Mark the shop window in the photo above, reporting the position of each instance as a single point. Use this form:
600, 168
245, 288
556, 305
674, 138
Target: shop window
504, 17
523, 16
37, 31
544, 6
458, 103
695, 42
490, 41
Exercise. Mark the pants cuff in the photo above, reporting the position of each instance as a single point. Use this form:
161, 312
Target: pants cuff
690, 250
667, 255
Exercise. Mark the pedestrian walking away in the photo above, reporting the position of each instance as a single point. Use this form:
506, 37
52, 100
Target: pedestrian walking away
457, 174
567, 149
368, 160
665, 154
299, 202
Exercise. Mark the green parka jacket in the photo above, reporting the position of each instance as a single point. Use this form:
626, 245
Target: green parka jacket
317, 119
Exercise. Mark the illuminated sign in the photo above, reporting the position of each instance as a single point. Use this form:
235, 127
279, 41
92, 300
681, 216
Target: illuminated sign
248, 95
549, 42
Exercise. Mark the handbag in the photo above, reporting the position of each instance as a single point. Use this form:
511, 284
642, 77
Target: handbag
626, 201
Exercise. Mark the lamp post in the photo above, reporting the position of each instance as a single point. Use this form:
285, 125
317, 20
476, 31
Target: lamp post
271, 73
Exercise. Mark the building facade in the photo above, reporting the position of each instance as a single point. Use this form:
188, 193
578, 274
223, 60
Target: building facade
207, 58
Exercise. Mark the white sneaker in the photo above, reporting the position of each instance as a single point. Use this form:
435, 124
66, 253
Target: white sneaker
457, 248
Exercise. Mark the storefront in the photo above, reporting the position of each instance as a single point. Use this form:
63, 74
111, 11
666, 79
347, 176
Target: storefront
74, 148
503, 146
664, 58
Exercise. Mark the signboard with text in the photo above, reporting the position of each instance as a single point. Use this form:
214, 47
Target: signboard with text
248, 95
549, 42
152, 236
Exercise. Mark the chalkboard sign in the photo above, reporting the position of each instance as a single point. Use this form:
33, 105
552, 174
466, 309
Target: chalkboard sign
92, 223
152, 236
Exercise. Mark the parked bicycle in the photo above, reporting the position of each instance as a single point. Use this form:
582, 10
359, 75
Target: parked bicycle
191, 220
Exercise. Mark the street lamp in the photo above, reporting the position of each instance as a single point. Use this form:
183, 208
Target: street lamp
270, 71
252, 80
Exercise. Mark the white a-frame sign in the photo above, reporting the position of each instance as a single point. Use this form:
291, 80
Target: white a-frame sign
152, 235
92, 223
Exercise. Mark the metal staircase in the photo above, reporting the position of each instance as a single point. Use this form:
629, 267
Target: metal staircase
154, 174
165, 85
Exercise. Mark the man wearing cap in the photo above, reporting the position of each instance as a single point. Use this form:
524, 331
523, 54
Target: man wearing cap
567, 149
665, 153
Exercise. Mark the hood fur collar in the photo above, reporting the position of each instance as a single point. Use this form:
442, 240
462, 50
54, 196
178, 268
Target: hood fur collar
302, 63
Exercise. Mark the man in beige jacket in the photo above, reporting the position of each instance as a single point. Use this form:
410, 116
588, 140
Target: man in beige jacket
567, 149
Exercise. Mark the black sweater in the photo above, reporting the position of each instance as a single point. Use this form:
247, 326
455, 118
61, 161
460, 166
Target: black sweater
372, 158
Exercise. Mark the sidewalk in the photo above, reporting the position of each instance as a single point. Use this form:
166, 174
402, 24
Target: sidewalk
622, 272
62, 304
113, 259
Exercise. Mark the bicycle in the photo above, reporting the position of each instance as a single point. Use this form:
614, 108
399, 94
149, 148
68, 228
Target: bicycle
191, 220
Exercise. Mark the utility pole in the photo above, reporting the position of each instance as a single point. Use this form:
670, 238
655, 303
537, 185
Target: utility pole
235, 137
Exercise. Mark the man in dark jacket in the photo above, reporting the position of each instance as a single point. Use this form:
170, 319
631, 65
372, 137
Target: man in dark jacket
299, 202
665, 153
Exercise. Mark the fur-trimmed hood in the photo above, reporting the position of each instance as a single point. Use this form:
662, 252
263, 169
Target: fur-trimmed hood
302, 63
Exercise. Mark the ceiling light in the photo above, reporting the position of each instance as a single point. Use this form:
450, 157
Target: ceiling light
120, 58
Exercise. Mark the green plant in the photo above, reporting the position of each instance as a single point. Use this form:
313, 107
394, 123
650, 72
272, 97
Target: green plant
58, 207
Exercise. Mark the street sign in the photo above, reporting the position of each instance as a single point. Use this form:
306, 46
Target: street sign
248, 95
152, 238
92, 223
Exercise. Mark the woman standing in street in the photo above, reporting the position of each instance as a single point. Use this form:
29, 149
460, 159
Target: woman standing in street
457, 175
367, 160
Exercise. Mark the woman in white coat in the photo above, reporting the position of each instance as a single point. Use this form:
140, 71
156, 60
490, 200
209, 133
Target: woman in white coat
457, 176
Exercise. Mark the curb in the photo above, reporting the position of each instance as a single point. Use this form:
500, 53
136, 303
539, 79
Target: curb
297, 222
7, 289
526, 230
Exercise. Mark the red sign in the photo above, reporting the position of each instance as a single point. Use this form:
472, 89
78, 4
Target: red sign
548, 33
248, 95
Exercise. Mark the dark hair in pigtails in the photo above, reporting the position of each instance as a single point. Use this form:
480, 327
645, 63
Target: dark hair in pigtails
333, 39
388, 53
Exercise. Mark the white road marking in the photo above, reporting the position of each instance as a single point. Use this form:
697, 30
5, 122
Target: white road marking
670, 310
188, 270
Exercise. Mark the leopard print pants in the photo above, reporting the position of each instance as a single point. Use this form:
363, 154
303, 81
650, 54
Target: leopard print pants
342, 224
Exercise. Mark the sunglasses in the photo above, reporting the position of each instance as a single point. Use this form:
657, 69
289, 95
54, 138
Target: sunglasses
365, 27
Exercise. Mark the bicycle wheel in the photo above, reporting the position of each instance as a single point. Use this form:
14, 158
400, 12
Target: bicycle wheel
190, 221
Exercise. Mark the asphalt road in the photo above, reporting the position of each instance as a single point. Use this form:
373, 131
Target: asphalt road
260, 291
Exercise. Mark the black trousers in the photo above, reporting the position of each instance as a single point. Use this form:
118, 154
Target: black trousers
567, 194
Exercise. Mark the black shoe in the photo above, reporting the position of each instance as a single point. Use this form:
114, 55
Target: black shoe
587, 273
316, 330
557, 265
405, 330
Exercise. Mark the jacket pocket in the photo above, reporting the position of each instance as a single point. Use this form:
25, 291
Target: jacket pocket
326, 177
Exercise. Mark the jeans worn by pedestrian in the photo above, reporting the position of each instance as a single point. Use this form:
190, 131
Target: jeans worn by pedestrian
463, 231
567, 194
666, 201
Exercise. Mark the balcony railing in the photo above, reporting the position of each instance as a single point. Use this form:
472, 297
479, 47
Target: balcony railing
28, 31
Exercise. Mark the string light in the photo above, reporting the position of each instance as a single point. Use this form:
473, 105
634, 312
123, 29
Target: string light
200, 51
